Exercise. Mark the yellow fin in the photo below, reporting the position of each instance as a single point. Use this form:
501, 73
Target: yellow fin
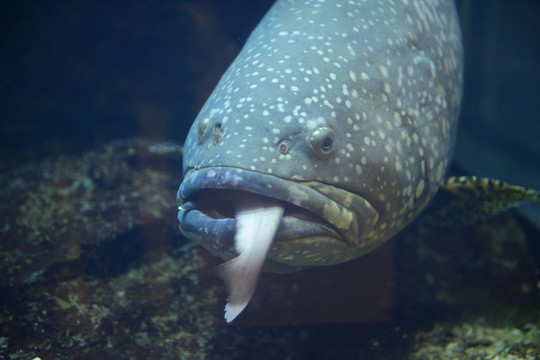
465, 199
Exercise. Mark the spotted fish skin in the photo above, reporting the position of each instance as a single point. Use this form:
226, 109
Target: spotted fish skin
343, 110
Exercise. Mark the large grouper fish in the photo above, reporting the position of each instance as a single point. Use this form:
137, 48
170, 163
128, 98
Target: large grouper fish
328, 134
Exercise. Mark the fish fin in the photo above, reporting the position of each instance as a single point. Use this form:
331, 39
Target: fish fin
466, 199
256, 226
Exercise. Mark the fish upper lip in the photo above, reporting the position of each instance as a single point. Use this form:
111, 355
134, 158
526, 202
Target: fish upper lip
319, 208
219, 204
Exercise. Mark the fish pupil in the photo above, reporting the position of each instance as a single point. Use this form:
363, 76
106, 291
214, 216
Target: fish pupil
327, 143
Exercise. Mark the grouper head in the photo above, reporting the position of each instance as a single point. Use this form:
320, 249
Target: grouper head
328, 134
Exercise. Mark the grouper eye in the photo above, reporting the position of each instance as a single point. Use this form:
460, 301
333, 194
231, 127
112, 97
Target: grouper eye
323, 141
328, 143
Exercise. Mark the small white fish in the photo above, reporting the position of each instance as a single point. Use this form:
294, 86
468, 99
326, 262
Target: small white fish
256, 225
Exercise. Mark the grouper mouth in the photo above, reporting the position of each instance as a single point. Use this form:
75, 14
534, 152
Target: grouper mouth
215, 210
248, 216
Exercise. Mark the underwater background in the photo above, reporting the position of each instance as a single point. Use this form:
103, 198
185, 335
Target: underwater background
92, 262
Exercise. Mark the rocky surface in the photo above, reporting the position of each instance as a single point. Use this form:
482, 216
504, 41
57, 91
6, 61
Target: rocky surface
93, 266
51, 209
478, 341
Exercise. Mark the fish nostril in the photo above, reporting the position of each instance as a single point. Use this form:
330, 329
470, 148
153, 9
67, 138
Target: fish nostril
218, 132
284, 146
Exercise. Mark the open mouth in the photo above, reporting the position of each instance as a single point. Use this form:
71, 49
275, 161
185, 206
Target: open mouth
208, 218
296, 223
313, 221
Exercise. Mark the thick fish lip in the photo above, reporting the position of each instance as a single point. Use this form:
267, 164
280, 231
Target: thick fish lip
206, 211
